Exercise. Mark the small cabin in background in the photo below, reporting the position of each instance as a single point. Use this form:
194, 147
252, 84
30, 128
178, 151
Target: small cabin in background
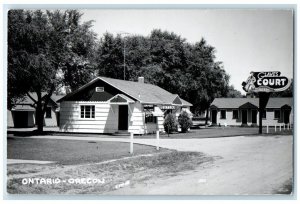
244, 111
22, 114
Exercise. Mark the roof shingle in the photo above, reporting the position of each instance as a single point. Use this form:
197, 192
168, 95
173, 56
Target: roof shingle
145, 93
237, 102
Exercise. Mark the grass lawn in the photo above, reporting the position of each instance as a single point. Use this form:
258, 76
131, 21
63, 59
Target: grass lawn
220, 132
68, 152
116, 174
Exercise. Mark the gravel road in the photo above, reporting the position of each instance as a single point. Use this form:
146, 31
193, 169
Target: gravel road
249, 166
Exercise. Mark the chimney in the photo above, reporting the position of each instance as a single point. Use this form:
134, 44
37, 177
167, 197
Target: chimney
67, 89
141, 79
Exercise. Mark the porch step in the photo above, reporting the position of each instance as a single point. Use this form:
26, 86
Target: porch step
122, 133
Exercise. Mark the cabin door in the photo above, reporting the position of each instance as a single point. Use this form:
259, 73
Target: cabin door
214, 116
123, 117
244, 116
21, 119
254, 116
286, 116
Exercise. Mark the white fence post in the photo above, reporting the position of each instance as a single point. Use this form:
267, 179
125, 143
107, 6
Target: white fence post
157, 140
131, 143
267, 129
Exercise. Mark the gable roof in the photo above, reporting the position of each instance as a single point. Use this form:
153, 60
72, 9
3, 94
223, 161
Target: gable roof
279, 102
237, 102
120, 98
143, 92
248, 105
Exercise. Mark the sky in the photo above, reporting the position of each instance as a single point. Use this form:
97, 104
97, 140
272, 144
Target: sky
245, 40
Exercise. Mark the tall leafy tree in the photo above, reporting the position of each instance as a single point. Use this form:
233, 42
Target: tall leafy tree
167, 53
167, 60
209, 78
44, 49
110, 56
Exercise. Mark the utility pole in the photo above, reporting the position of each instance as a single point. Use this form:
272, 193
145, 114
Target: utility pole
124, 58
124, 54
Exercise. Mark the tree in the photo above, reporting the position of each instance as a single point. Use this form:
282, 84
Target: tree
110, 56
41, 47
78, 66
184, 121
209, 79
233, 93
165, 59
170, 123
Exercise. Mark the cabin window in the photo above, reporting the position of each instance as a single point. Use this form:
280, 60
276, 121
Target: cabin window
276, 114
48, 112
149, 118
223, 114
264, 114
235, 114
87, 111
99, 89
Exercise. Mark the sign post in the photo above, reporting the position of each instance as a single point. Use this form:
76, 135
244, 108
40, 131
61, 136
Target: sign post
263, 84
263, 100
131, 143
157, 140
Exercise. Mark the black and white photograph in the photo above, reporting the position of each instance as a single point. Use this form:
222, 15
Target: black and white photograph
150, 101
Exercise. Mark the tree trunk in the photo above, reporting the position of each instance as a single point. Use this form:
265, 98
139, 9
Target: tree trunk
41, 108
39, 113
206, 118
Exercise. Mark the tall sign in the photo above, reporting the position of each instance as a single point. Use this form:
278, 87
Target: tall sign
265, 83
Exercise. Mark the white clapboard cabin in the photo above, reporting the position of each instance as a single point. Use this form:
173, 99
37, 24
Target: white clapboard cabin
22, 114
107, 105
244, 111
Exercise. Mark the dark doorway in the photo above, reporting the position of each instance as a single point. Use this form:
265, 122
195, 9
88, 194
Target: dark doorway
254, 116
244, 116
214, 116
286, 115
57, 118
21, 119
123, 117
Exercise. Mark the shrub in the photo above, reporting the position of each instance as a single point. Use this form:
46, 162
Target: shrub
184, 121
170, 123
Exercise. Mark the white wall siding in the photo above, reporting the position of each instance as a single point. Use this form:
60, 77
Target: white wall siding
10, 119
136, 119
106, 118
137, 123
105, 121
228, 120
51, 121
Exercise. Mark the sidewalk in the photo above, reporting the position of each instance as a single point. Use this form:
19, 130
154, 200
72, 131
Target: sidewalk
46, 129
